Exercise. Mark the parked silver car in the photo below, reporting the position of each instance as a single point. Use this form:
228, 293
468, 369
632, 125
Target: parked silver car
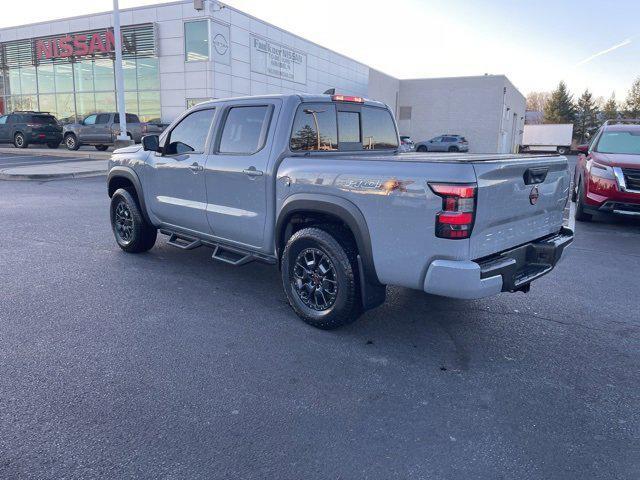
406, 144
444, 143
101, 130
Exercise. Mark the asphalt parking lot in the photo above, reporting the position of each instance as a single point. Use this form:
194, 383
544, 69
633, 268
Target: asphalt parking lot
170, 365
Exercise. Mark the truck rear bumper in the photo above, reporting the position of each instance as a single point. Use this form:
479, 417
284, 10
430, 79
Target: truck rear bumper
508, 271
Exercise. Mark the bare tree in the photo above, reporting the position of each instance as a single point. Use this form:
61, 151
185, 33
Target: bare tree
536, 101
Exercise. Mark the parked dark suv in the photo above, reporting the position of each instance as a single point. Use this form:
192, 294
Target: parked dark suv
24, 128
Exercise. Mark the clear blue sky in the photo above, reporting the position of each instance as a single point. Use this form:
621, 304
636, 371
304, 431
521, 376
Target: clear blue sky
535, 43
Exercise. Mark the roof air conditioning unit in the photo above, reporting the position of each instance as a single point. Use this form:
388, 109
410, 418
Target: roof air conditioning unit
198, 4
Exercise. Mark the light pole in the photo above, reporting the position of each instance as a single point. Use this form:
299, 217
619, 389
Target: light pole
315, 113
122, 140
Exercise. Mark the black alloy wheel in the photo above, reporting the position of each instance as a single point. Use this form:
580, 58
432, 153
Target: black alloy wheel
123, 222
315, 280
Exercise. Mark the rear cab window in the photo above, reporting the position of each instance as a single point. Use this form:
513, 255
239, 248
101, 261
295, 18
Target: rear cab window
335, 126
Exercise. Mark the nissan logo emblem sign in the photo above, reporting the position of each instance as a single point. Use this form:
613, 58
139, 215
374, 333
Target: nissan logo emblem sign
534, 195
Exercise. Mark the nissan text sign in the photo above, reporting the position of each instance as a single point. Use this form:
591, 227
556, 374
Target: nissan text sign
78, 45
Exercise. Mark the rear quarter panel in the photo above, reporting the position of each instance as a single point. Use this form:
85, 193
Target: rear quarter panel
396, 202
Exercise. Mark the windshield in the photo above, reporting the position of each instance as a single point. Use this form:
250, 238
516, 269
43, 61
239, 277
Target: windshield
619, 142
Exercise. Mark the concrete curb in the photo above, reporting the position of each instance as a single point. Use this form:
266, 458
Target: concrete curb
36, 152
51, 176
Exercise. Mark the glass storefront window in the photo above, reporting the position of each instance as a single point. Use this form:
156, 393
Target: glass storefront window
105, 101
14, 81
147, 73
103, 74
149, 106
82, 85
64, 77
129, 73
196, 41
28, 82
24, 102
66, 109
46, 78
131, 102
83, 75
48, 104
85, 104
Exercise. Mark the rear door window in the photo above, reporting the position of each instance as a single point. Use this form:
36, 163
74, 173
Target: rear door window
244, 130
315, 128
378, 129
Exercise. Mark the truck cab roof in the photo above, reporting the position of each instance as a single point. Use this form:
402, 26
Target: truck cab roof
301, 97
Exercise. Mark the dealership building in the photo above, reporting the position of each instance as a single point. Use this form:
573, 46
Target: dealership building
178, 54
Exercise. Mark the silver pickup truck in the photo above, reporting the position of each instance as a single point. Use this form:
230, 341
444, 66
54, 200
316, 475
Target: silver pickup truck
101, 130
315, 184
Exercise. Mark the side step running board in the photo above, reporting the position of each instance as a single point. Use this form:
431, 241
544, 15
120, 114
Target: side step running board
232, 255
181, 241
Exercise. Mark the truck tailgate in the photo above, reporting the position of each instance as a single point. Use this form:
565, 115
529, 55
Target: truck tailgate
515, 205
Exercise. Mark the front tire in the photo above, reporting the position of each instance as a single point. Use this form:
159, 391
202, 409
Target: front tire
53, 144
102, 148
422, 148
71, 142
20, 141
319, 277
132, 232
453, 149
563, 150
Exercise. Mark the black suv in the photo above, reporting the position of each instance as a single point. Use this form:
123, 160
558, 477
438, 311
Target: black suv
23, 128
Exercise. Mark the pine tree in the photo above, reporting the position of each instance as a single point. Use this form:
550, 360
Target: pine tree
586, 116
632, 105
560, 107
610, 108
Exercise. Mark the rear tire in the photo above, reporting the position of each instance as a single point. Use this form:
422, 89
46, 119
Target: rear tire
102, 148
581, 215
53, 144
20, 141
454, 149
71, 142
422, 148
563, 150
319, 277
132, 232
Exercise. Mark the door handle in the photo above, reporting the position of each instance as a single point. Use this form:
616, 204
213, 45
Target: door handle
194, 167
252, 172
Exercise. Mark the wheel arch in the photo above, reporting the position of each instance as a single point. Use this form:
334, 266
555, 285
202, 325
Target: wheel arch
336, 207
124, 177
373, 293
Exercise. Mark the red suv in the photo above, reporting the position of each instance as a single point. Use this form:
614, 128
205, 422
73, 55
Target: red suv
607, 176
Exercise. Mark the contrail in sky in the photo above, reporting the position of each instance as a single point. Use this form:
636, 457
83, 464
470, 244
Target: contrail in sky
604, 52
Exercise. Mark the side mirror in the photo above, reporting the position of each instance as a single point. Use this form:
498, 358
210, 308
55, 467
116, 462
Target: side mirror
583, 148
151, 143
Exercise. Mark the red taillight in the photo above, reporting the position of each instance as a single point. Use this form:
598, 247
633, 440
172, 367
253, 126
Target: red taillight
456, 219
347, 98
